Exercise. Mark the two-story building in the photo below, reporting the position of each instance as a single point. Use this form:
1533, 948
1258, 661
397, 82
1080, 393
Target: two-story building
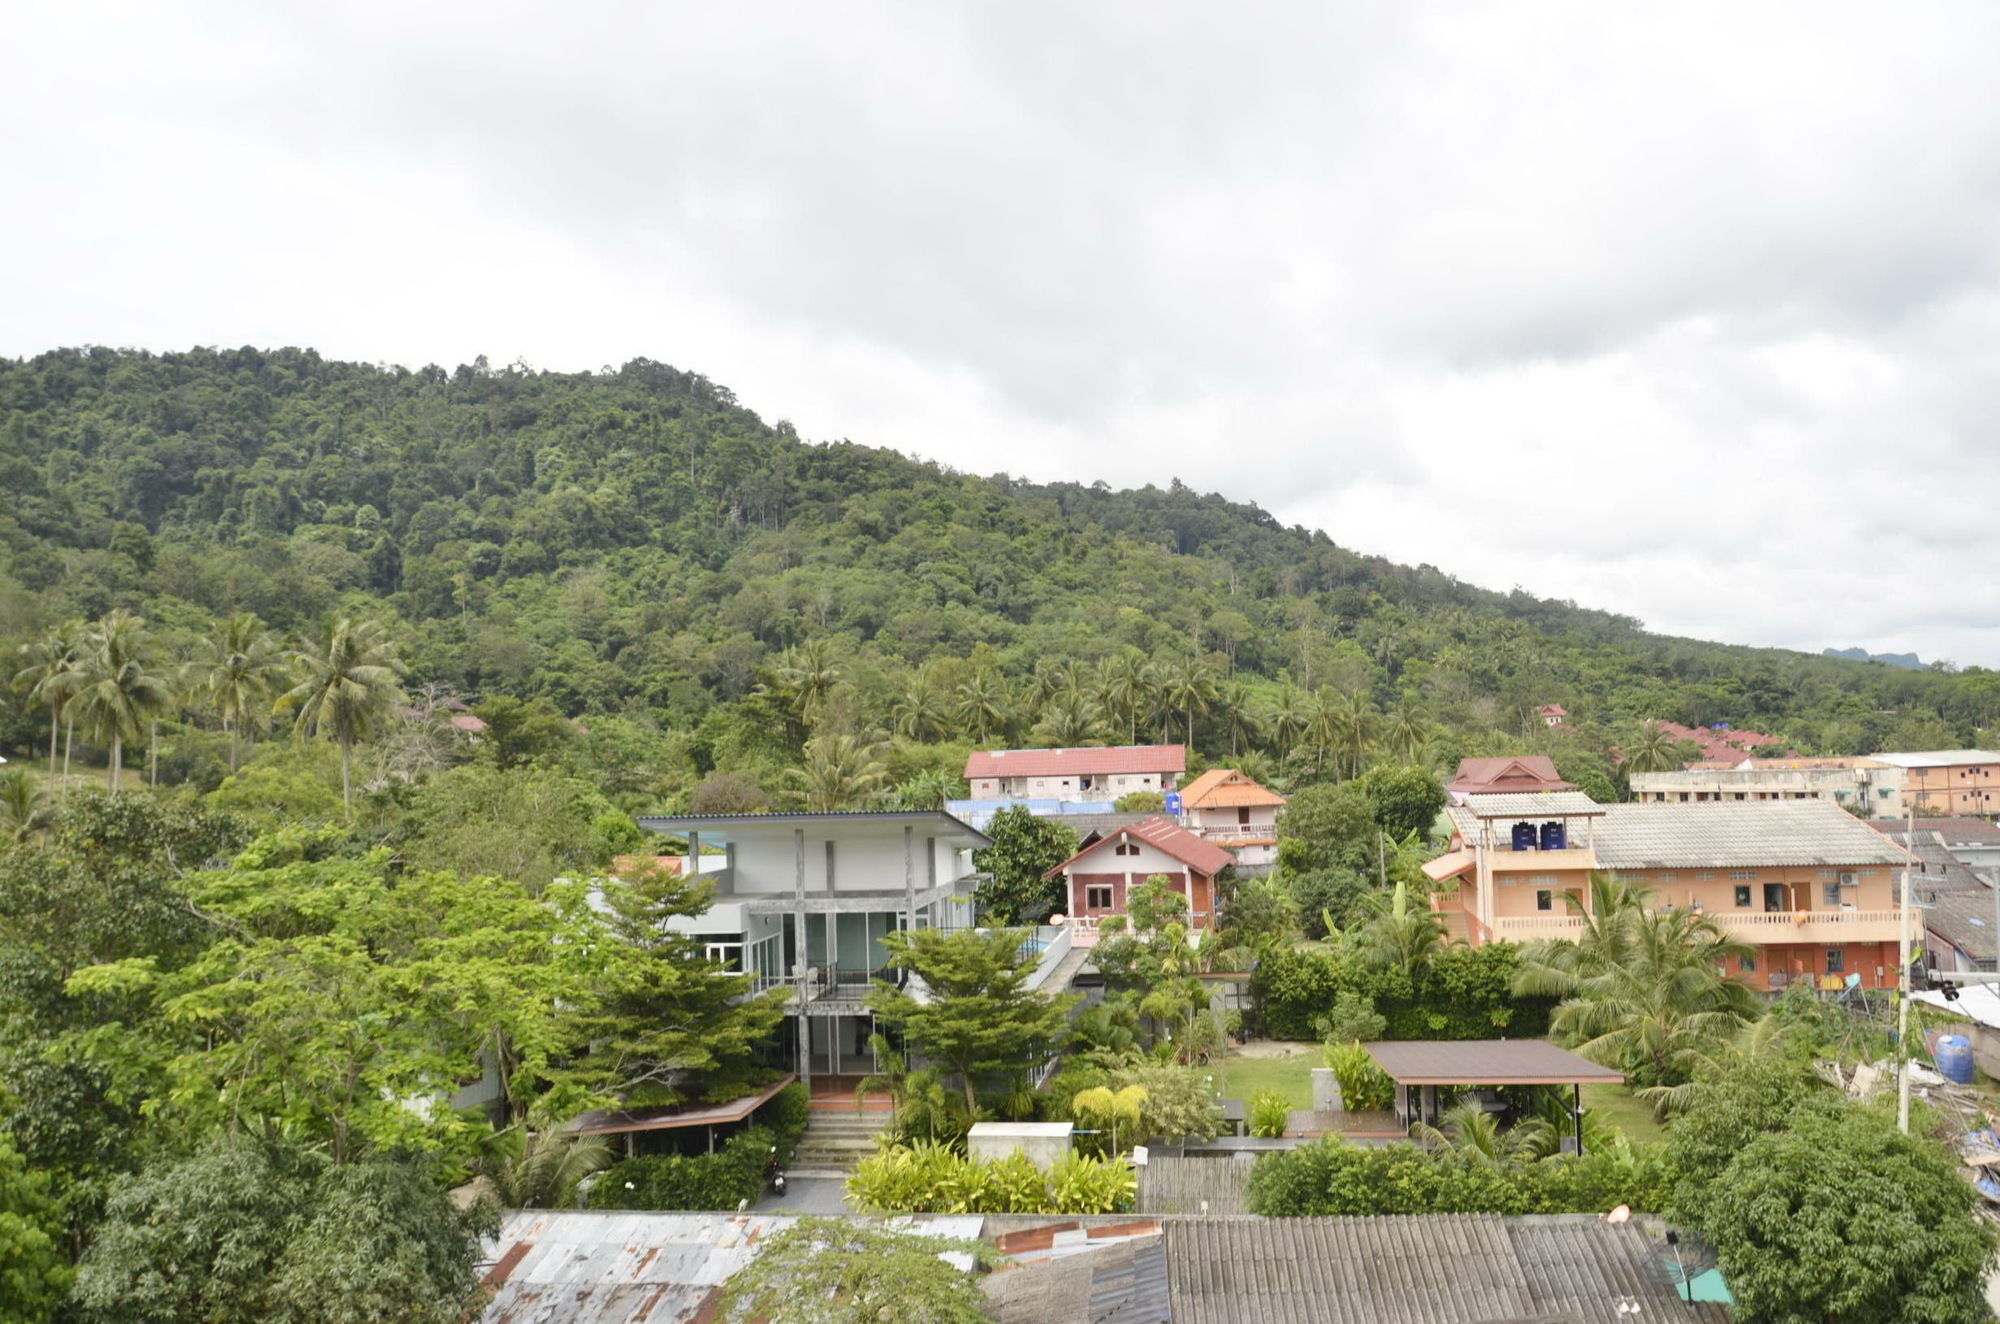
1869, 787
1950, 781
1234, 812
804, 900
1811, 886
1093, 773
1108, 865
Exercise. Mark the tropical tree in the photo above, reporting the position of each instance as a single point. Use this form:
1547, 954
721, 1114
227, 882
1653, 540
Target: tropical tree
922, 714
1123, 690
24, 805
1405, 735
1238, 711
1403, 934
1642, 989
840, 770
237, 670
1069, 718
1469, 1129
846, 1271
1290, 716
539, 1166
47, 671
351, 683
1187, 685
1350, 731
809, 672
115, 687
1652, 750
1025, 848
982, 704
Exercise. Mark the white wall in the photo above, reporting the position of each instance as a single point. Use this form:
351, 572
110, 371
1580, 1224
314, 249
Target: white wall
862, 861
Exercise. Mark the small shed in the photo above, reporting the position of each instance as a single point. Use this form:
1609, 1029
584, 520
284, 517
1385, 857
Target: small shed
1420, 1066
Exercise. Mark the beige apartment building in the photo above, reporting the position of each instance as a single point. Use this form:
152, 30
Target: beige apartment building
1945, 782
1811, 886
1868, 786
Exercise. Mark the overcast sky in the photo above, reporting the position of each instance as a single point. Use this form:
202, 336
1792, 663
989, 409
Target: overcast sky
1687, 311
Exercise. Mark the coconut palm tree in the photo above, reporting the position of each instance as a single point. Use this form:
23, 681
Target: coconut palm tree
1238, 711
1070, 718
840, 771
46, 671
1289, 718
114, 686
24, 805
1404, 734
237, 669
983, 704
540, 1167
1653, 750
1122, 691
1352, 728
1187, 685
351, 683
808, 672
1403, 934
922, 714
1642, 989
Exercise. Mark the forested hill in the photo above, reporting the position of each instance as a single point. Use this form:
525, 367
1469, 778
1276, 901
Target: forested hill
637, 542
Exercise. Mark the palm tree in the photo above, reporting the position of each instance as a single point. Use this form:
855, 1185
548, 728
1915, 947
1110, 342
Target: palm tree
983, 703
1352, 730
840, 770
535, 1167
1238, 712
352, 682
24, 805
238, 669
1068, 719
1642, 989
809, 672
1289, 718
1186, 684
1122, 690
46, 673
1403, 935
1653, 750
1404, 734
1051, 679
1470, 1130
114, 687
921, 714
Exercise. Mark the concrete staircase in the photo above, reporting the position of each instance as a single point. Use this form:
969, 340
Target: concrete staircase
835, 1141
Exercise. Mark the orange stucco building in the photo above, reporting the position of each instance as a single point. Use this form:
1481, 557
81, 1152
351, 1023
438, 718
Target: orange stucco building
1944, 782
1810, 885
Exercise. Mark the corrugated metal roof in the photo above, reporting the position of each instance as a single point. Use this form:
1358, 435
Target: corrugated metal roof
729, 825
1427, 1269
1532, 804
1771, 834
572, 1267
1089, 761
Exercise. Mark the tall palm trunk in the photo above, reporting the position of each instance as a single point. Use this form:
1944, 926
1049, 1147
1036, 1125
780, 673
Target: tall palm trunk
347, 776
153, 754
69, 743
55, 723
230, 726
117, 762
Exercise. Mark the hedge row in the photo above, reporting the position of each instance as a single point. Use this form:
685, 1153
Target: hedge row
1336, 1178
928, 1178
1463, 993
721, 1180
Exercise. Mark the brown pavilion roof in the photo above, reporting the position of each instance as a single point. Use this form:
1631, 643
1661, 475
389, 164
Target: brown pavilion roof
1487, 1062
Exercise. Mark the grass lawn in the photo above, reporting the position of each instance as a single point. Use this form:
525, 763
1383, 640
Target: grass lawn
1243, 1077
1617, 1105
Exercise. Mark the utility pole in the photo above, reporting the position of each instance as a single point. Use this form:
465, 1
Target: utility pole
1903, 980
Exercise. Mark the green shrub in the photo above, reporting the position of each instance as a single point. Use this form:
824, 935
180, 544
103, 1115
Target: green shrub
1364, 1086
721, 1180
785, 1116
1269, 1112
927, 1178
1462, 993
1333, 1177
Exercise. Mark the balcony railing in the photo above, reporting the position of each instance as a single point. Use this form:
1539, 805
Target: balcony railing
1227, 836
1768, 926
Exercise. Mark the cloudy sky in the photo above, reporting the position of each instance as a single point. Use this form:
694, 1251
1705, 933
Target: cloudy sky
1687, 311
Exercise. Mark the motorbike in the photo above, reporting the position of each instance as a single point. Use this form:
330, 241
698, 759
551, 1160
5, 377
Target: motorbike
774, 1174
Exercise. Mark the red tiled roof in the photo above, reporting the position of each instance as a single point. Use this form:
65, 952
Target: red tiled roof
1163, 834
1529, 772
1553, 710
1723, 744
1226, 788
1076, 762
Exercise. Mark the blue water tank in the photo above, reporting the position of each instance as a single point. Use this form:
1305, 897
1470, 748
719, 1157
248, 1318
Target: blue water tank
1555, 836
1954, 1058
1524, 836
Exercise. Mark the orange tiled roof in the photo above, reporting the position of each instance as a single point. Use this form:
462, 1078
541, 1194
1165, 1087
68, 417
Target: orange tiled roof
1226, 788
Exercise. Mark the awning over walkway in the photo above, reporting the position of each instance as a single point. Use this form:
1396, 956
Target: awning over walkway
1454, 865
623, 1121
1487, 1062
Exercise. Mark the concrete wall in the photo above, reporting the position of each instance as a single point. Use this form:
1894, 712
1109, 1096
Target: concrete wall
862, 861
1043, 1142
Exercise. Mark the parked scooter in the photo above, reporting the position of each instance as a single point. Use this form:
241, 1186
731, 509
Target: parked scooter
774, 1174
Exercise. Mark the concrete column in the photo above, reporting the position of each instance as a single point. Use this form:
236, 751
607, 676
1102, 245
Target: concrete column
909, 877
804, 960
694, 855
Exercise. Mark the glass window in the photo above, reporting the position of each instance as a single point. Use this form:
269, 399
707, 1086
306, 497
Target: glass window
1836, 961
1743, 875
1545, 899
1746, 965
1096, 897
1830, 893
1742, 896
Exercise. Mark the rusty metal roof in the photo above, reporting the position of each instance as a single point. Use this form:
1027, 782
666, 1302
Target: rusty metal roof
573, 1267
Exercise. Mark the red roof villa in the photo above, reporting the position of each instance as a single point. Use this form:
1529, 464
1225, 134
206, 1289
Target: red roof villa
1110, 864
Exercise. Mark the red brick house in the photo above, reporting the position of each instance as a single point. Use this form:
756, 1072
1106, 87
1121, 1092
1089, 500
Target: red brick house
1110, 864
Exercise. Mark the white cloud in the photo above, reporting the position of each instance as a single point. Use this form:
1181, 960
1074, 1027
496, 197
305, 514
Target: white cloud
1685, 313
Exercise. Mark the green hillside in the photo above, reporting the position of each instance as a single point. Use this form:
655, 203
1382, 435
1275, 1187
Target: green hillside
635, 544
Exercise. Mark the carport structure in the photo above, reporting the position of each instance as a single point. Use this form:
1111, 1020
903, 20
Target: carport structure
1420, 1066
